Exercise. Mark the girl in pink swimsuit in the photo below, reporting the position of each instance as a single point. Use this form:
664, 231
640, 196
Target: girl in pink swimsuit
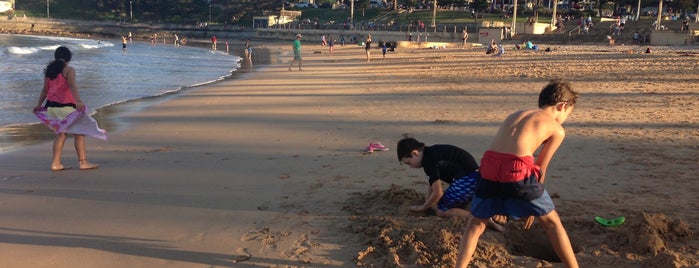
60, 95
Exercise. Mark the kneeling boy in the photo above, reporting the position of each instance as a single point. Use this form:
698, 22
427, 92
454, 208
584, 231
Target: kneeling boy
443, 163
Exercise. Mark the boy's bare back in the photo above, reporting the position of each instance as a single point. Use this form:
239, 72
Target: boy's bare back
524, 131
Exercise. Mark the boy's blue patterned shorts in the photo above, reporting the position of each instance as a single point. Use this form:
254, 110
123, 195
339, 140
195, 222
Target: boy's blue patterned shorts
459, 192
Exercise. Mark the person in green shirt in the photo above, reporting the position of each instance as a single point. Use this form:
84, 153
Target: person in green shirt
297, 52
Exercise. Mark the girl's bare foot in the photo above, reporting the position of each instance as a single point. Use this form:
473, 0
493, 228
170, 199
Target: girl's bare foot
58, 167
87, 165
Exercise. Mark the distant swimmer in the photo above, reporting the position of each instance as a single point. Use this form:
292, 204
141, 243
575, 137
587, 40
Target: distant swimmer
123, 42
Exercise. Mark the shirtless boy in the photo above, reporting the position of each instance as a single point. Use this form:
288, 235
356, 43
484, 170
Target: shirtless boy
512, 179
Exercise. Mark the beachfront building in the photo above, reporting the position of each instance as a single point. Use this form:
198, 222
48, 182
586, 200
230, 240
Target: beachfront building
7, 5
270, 20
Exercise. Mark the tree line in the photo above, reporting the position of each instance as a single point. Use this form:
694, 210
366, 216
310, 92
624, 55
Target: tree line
241, 11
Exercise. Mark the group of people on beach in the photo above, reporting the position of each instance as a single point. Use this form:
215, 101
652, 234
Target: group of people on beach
296, 48
508, 184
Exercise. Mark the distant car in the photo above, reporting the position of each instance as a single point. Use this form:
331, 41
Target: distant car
326, 5
301, 5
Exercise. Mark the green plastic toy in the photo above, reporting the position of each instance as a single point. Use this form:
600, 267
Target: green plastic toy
610, 222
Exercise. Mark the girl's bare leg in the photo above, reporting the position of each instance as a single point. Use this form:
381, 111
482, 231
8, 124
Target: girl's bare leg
57, 149
80, 149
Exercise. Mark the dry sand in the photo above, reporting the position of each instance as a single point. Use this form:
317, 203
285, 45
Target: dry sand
267, 170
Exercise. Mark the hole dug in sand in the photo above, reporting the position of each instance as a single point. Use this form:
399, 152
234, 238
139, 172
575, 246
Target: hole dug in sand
531, 243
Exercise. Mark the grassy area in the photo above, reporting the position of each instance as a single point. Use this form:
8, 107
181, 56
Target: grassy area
443, 17
76, 9
338, 15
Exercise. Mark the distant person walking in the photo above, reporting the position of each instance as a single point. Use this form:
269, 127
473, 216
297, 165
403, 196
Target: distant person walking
248, 50
296, 47
62, 103
464, 38
213, 42
384, 47
367, 47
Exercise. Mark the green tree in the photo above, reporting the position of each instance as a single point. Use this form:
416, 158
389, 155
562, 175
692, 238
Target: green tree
686, 5
479, 5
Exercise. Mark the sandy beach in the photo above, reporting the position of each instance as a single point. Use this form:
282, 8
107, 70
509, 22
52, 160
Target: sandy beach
268, 169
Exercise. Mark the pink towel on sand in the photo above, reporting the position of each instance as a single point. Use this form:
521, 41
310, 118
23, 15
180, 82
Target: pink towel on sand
77, 122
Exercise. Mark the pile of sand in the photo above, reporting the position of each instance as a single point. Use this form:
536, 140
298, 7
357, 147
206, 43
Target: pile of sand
397, 237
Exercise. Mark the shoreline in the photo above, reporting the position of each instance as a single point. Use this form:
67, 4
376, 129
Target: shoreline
269, 170
14, 137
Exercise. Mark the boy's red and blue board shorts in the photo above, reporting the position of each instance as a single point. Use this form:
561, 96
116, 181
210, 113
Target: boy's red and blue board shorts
509, 185
459, 192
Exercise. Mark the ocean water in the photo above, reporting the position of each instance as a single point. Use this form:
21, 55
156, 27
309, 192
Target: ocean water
105, 73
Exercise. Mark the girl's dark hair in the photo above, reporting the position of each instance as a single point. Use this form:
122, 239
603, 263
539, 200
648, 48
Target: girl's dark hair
61, 56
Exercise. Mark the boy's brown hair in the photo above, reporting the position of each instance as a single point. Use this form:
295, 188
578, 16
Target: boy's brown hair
557, 91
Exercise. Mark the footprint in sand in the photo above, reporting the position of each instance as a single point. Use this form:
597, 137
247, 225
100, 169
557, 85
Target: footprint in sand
255, 234
295, 251
244, 255
301, 247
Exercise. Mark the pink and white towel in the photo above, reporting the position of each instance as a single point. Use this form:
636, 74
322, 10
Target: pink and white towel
76, 122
